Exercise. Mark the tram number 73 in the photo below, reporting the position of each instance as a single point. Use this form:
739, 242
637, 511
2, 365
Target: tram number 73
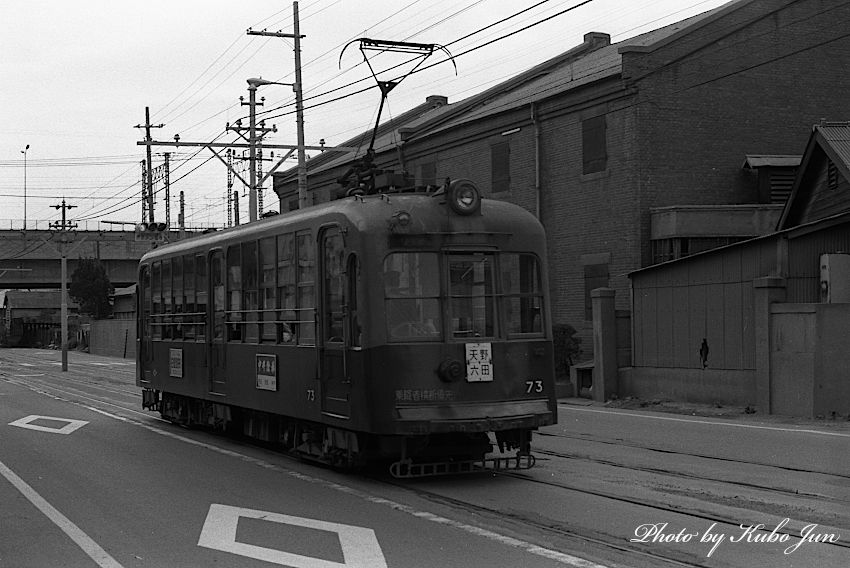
533, 386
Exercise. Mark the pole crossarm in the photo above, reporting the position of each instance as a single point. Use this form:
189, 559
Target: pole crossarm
240, 145
273, 34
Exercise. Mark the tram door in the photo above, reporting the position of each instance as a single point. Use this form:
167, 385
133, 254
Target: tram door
215, 332
336, 383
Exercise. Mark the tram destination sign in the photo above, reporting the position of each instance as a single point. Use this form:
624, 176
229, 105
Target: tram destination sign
266, 372
479, 362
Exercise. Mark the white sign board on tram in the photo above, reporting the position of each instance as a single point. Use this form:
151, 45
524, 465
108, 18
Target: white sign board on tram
479, 362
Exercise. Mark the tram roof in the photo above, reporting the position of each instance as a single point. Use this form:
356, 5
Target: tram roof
371, 214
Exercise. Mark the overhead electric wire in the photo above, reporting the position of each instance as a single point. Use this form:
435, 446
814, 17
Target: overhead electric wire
425, 67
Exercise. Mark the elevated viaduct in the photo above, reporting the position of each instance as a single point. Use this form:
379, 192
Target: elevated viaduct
31, 259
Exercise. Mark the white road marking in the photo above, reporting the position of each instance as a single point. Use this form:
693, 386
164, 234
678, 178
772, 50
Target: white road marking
33, 375
360, 547
698, 421
27, 423
81, 539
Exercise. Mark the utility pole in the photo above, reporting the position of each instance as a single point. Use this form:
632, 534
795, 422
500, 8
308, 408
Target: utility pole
227, 194
167, 184
144, 192
299, 103
64, 226
181, 219
24, 152
148, 186
255, 135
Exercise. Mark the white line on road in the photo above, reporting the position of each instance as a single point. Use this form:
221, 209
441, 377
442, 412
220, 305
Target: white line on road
90, 547
698, 421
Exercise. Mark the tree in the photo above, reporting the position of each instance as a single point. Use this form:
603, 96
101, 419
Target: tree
566, 348
90, 288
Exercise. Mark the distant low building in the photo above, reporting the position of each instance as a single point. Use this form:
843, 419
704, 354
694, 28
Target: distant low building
32, 318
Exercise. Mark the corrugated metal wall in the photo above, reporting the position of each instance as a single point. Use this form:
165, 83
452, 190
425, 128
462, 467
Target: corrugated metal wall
709, 297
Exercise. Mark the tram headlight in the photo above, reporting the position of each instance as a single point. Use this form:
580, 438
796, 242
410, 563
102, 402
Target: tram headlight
451, 370
464, 198
400, 221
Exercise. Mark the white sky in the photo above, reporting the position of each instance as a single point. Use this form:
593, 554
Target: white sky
76, 76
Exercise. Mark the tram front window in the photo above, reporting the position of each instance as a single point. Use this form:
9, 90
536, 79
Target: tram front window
472, 294
412, 290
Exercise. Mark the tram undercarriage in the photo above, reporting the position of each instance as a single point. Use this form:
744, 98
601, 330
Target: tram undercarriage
416, 456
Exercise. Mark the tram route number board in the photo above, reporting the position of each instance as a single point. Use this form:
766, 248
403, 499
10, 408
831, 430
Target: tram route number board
267, 372
479, 362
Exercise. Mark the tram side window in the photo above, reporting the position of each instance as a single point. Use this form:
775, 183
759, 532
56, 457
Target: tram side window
250, 291
189, 316
145, 311
156, 300
234, 317
306, 332
412, 296
523, 293
267, 288
201, 296
472, 295
334, 279
168, 306
219, 303
286, 282
177, 288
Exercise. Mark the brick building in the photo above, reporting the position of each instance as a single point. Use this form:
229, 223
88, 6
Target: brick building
597, 139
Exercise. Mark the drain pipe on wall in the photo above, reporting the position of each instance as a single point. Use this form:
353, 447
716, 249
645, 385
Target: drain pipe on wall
536, 124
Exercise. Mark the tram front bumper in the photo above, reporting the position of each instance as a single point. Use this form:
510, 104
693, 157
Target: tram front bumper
473, 417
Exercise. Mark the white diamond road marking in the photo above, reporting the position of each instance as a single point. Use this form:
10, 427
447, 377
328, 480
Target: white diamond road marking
27, 422
359, 545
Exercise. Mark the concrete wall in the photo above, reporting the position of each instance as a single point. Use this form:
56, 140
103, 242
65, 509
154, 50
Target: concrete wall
113, 338
808, 359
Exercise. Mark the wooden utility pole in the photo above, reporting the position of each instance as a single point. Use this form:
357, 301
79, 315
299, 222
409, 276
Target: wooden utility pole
299, 103
64, 226
148, 178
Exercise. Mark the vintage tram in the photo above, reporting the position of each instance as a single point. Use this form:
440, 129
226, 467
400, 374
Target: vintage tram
408, 327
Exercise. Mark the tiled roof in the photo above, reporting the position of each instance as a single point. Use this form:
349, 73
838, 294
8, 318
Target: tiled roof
41, 299
837, 135
569, 70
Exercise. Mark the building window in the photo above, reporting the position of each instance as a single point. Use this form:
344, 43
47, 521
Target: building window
595, 276
428, 173
594, 145
500, 166
831, 175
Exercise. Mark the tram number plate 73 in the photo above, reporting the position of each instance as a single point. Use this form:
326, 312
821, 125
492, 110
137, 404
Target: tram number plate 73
533, 386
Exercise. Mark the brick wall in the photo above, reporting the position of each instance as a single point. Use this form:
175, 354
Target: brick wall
751, 82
